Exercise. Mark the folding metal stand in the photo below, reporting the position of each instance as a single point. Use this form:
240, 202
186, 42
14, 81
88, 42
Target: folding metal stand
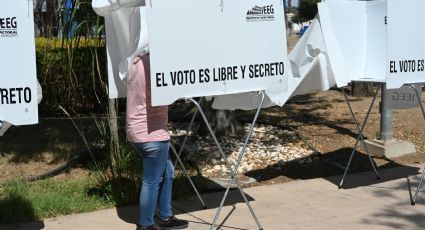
232, 170
360, 137
235, 170
173, 149
418, 189
188, 129
178, 158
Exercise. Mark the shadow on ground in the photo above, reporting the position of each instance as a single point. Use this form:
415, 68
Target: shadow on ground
55, 136
330, 166
389, 215
17, 204
130, 214
35, 225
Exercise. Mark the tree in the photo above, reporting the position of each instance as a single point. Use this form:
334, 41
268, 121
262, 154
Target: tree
47, 17
222, 122
307, 9
362, 89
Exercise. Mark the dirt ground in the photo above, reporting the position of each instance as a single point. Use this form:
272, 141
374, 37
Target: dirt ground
321, 120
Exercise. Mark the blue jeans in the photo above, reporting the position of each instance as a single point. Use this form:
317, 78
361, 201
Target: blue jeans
158, 174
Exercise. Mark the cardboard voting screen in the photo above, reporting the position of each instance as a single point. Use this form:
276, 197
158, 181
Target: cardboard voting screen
118, 44
203, 48
406, 42
355, 38
18, 77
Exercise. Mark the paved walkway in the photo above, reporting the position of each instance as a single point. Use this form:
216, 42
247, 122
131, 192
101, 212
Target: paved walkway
365, 203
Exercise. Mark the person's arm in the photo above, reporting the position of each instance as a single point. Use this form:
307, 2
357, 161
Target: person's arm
104, 7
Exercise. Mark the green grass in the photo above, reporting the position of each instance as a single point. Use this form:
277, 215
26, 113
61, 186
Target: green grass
21, 202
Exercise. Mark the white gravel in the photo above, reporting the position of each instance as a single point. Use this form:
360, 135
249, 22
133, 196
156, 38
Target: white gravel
268, 146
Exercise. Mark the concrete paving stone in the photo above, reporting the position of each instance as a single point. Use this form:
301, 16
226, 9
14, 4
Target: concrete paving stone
364, 203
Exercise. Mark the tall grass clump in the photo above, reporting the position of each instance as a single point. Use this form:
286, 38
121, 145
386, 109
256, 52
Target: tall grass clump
116, 170
118, 178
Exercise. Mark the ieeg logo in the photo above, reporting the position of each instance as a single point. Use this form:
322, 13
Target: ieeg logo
260, 13
8, 27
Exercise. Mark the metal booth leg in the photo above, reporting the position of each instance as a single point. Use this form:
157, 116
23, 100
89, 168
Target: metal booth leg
189, 128
360, 138
229, 166
187, 175
418, 189
178, 155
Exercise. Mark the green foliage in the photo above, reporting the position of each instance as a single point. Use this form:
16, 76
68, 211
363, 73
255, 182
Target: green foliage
119, 179
85, 13
307, 10
296, 19
46, 44
83, 21
76, 83
116, 173
292, 10
72, 70
21, 201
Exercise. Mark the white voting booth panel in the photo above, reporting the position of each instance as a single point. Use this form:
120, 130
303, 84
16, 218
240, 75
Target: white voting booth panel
377, 41
18, 88
372, 41
200, 48
406, 42
355, 37
406, 55
310, 66
217, 47
310, 72
126, 31
126, 35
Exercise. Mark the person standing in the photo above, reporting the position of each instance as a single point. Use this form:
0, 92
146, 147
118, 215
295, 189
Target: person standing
148, 133
146, 126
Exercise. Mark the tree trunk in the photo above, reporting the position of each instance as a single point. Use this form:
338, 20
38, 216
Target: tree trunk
37, 18
362, 89
113, 130
222, 122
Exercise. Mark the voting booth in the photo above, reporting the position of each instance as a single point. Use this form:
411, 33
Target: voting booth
370, 41
203, 49
234, 51
212, 48
355, 36
406, 48
406, 53
18, 77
